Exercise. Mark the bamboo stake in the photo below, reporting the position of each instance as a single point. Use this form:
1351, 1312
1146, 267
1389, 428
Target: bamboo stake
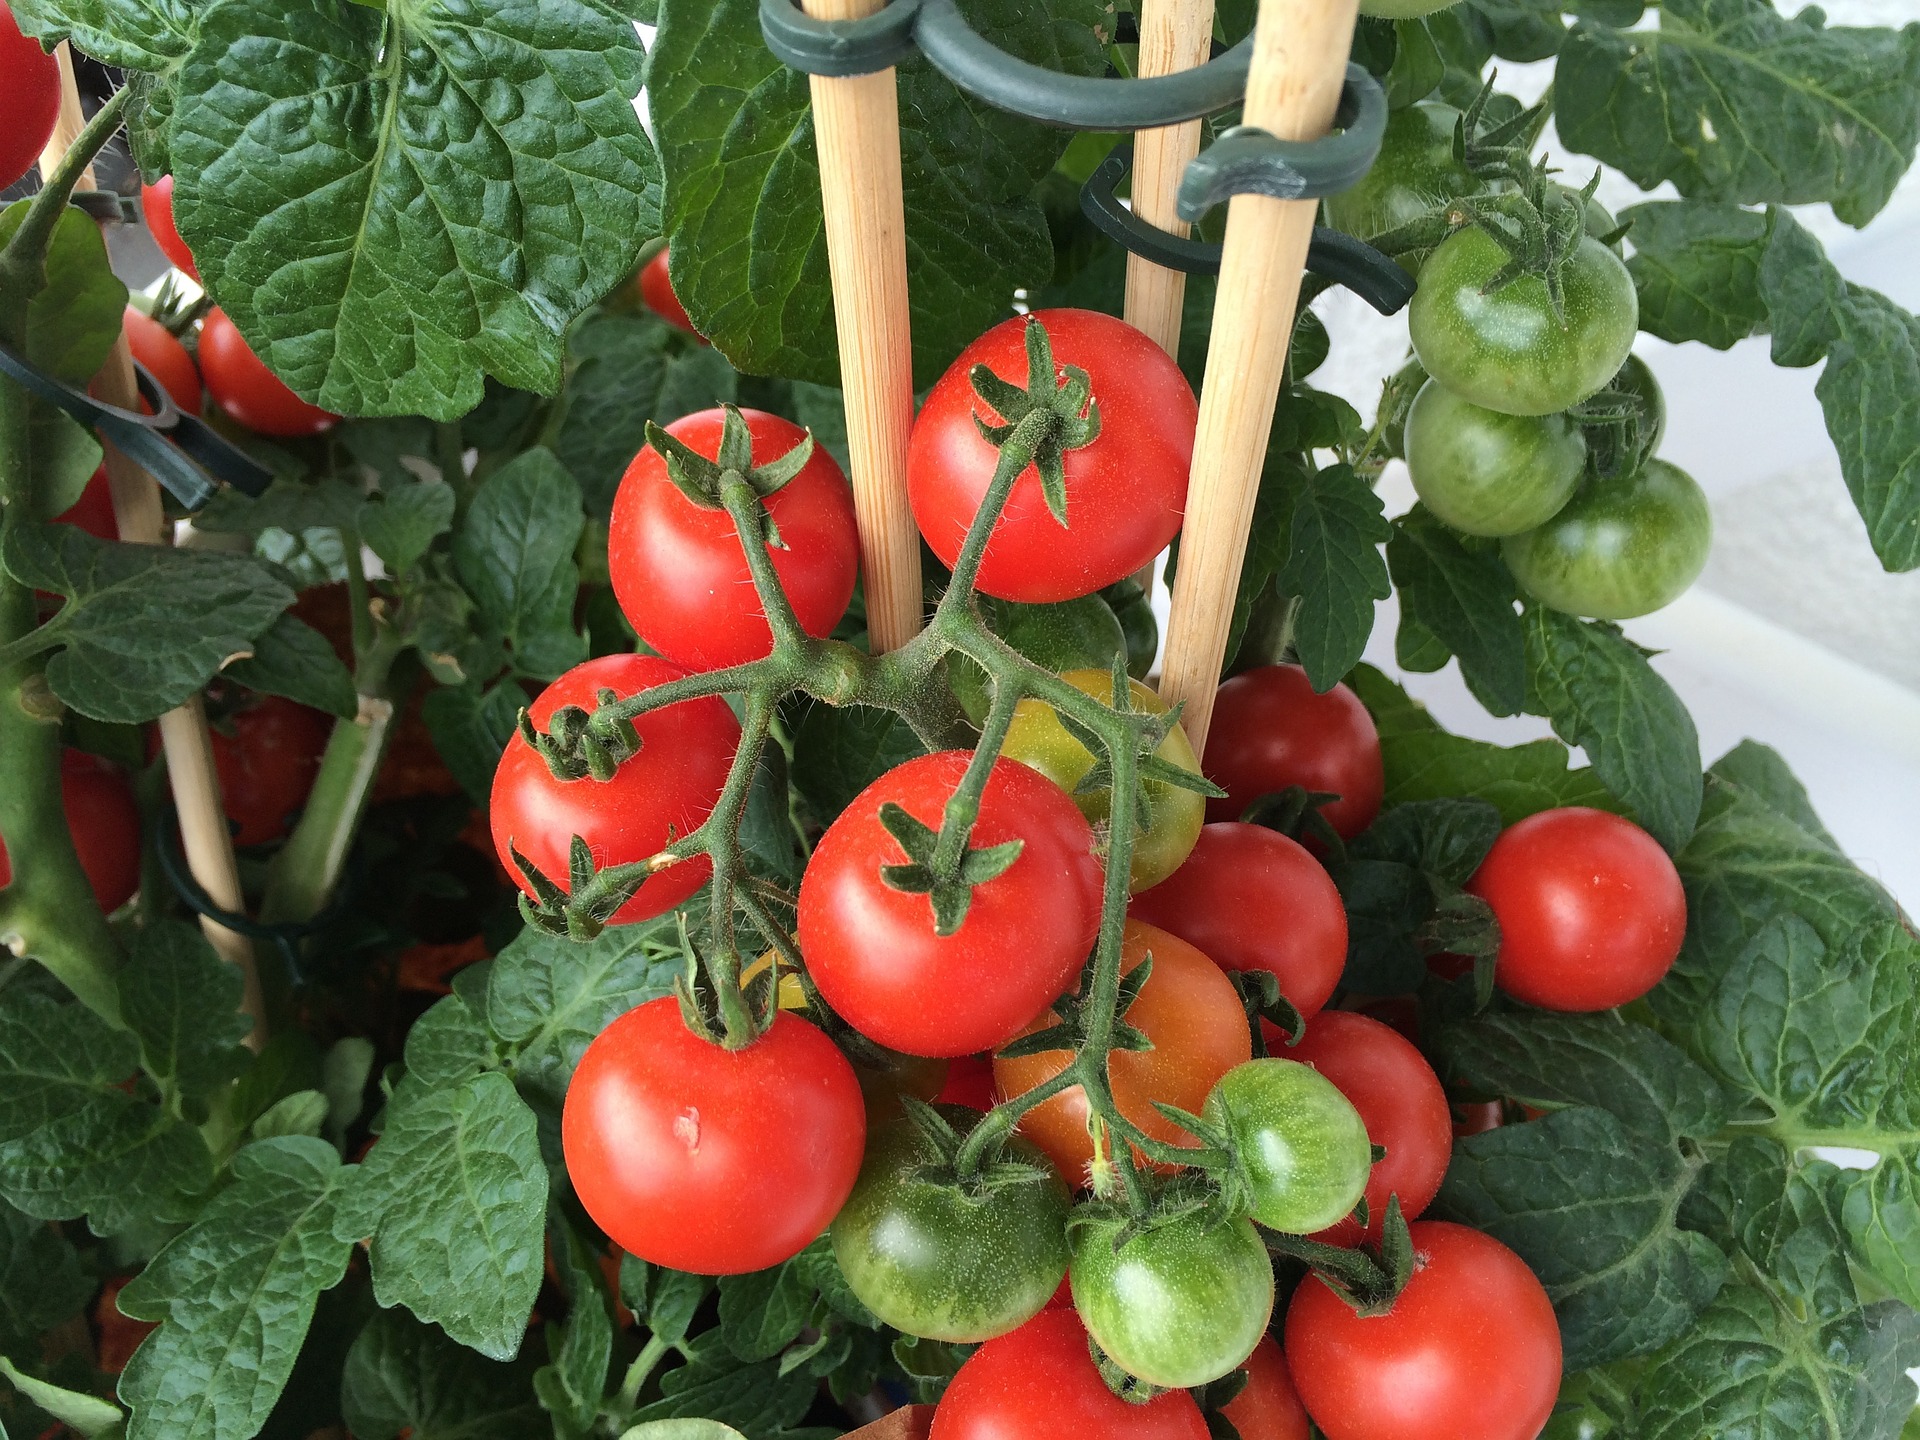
856, 120
1299, 62
140, 520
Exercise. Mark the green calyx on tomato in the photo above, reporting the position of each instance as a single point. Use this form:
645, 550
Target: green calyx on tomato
1172, 800
943, 1258
1301, 1152
1488, 473
1070, 635
1491, 331
1621, 547
1178, 1303
1415, 174
1624, 423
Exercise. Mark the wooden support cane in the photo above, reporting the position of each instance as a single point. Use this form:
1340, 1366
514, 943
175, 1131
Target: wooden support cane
1299, 62
183, 732
856, 122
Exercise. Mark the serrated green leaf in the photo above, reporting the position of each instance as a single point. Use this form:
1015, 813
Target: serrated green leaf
403, 1376
235, 1295
41, 1282
136, 34
1601, 694
402, 523
1731, 101
449, 1044
64, 457
1760, 771
514, 553
183, 1003
1880, 1209
1465, 598
454, 1196
470, 727
72, 1141
301, 1113
743, 201
1696, 265
144, 626
1334, 565
295, 506
839, 751
293, 659
572, 1386
74, 318
405, 200
1447, 838
1757, 1203
1589, 1205
762, 1312
754, 1398
1870, 395
87, 1415
1519, 781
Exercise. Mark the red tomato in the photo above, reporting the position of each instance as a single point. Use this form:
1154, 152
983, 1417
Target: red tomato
247, 390
969, 1082
872, 949
1470, 1348
156, 203
1476, 1117
1270, 730
157, 348
1400, 1099
268, 756
29, 102
1191, 1013
1590, 908
104, 819
1039, 1383
678, 569
1254, 900
656, 293
1125, 491
655, 797
93, 511
711, 1160
1269, 1408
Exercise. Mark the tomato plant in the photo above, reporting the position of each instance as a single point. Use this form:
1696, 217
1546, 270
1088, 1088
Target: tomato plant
1301, 1148
1273, 730
32, 103
157, 348
1414, 172
1487, 473
250, 393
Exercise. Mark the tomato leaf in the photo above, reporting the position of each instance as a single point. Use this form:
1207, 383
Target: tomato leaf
391, 203
63, 455
183, 1002
74, 319
235, 1294
514, 553
1589, 1204
754, 1398
1696, 265
1597, 688
449, 1044
144, 626
1334, 565
293, 659
573, 1385
1759, 771
1465, 598
839, 751
41, 1282
1870, 395
743, 210
453, 1198
405, 1377
761, 1313
72, 1141
1880, 1210
1731, 101
471, 727
401, 524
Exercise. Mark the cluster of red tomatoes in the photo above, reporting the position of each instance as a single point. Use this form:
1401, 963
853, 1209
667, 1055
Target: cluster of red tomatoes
718, 1160
1489, 443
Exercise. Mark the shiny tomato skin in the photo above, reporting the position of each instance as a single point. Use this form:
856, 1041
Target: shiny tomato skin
1269, 1407
1470, 1348
1486, 473
1300, 1147
1040, 1383
93, 511
656, 796
1400, 1100
1125, 491
1414, 174
872, 949
678, 569
1192, 1014
250, 393
656, 293
1270, 730
267, 757
1590, 907
156, 204
30, 103
104, 820
157, 348
1252, 899
710, 1160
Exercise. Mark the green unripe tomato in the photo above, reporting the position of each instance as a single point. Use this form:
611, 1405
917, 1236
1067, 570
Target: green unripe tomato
1622, 547
1179, 1305
1486, 473
1300, 1146
1414, 172
1174, 816
1072, 635
1507, 350
1403, 9
1636, 378
932, 1259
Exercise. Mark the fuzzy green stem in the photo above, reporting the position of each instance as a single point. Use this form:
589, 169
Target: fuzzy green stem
719, 836
744, 508
963, 806
644, 1364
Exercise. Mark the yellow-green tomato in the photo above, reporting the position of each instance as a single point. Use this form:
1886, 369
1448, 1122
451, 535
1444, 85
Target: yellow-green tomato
947, 1262
1178, 1305
1174, 815
1299, 1145
1486, 473
1624, 546
1403, 9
